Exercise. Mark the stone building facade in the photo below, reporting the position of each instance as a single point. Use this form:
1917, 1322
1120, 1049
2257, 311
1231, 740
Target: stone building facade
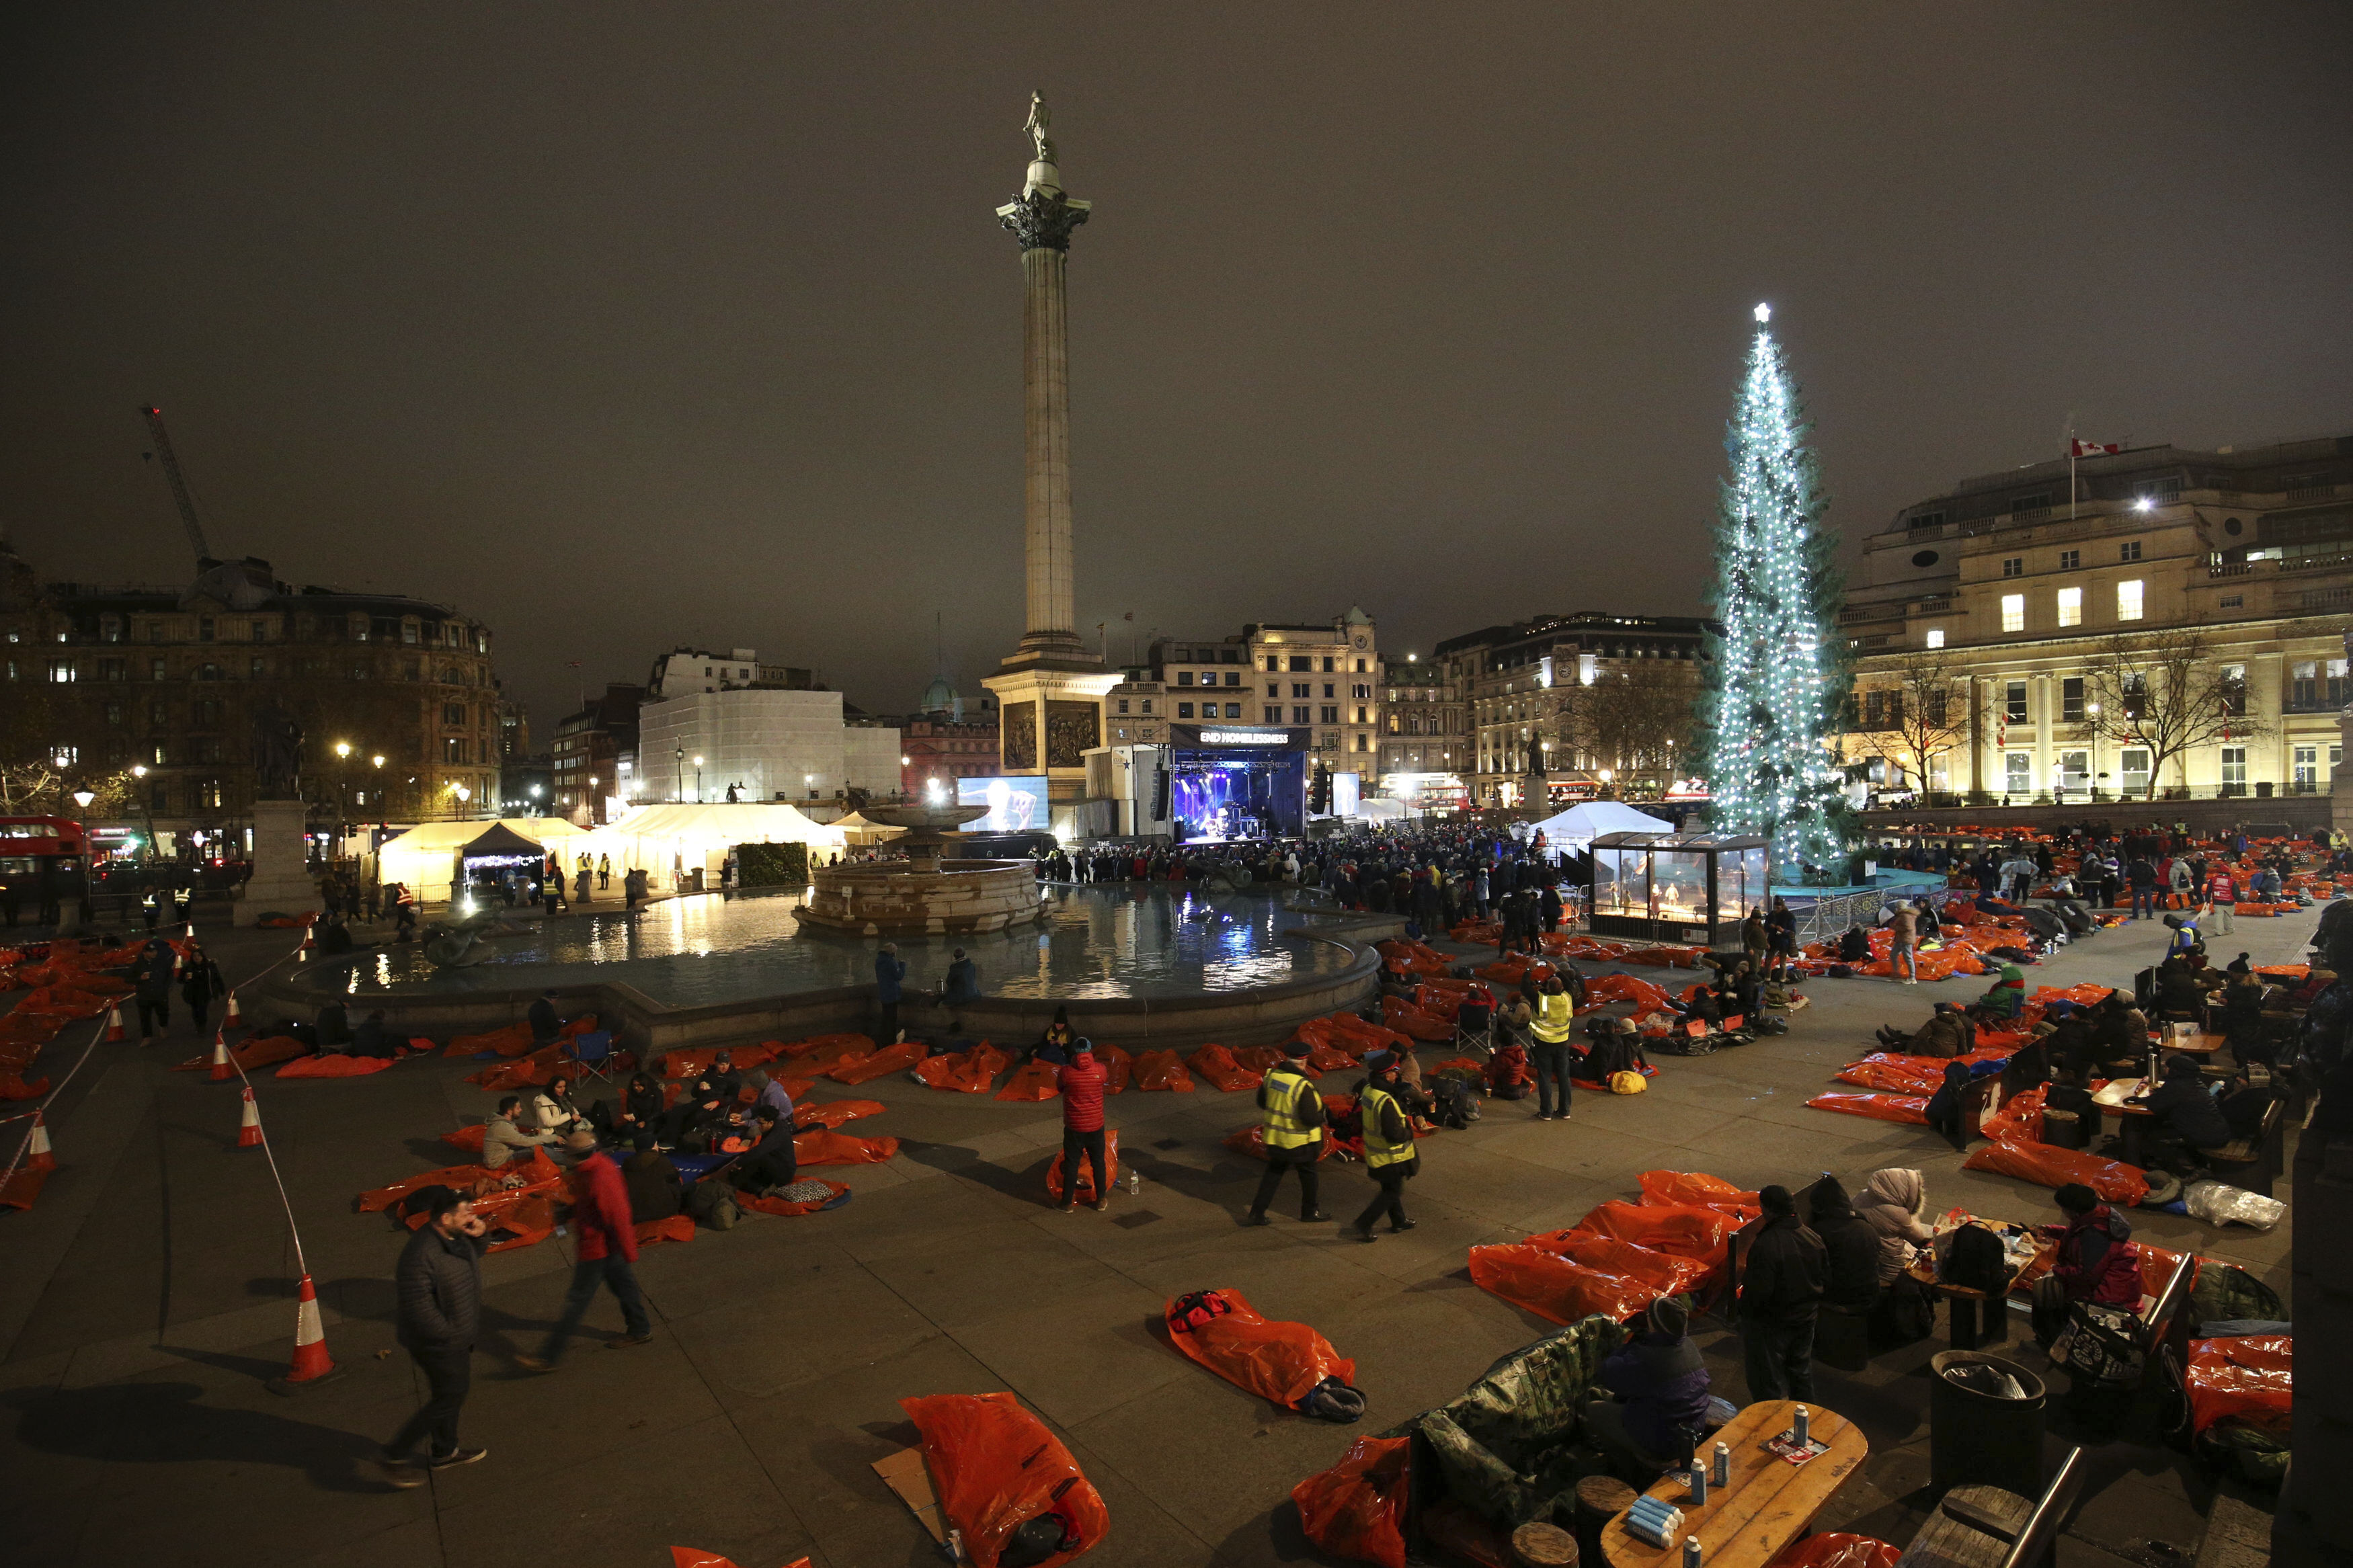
2010, 588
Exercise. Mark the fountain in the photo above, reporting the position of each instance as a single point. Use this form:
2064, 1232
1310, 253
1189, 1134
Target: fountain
918, 897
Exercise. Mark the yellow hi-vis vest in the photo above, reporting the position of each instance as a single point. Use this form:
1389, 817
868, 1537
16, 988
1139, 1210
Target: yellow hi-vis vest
1553, 1013
1378, 1150
1286, 1126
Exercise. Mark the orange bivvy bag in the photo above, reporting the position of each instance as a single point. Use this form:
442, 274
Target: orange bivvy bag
994, 1466
1277, 1360
1356, 1509
1833, 1549
1087, 1192
2050, 1166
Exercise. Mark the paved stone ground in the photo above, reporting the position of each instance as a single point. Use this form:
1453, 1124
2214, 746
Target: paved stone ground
148, 1295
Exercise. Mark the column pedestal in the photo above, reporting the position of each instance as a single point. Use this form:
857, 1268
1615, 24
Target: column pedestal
281, 881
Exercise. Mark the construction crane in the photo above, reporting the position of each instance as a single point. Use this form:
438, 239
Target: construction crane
162, 453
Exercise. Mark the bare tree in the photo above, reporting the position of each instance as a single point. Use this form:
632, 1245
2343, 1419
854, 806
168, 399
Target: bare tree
1915, 716
2164, 690
1635, 719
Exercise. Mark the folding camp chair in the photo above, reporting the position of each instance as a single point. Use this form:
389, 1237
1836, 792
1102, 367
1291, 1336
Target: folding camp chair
591, 1055
1474, 1026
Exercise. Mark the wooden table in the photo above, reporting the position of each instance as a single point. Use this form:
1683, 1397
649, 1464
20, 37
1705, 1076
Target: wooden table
2132, 1121
1769, 1503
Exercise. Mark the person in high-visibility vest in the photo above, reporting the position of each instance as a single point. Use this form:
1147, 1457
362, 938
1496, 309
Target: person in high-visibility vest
1294, 1133
1550, 1029
1391, 1157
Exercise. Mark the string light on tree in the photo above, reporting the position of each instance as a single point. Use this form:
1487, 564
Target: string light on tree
1775, 684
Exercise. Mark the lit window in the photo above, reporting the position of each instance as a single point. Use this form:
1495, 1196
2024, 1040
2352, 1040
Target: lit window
2071, 606
2128, 600
1936, 636
2013, 612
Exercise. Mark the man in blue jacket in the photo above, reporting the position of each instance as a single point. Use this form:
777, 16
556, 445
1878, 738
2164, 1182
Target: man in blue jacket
889, 970
1649, 1395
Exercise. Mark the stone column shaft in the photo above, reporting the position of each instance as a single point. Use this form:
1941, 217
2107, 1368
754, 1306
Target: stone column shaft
1046, 398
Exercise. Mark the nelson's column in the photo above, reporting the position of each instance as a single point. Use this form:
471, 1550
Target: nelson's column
1050, 693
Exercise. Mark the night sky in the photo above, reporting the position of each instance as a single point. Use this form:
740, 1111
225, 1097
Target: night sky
628, 325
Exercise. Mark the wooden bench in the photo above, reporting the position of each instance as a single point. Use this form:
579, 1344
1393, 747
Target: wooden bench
2254, 1162
1986, 1527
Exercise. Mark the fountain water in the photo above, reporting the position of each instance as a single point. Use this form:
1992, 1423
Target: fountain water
923, 896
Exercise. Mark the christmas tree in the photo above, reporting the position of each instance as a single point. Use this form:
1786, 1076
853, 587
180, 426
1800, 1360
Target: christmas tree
1778, 679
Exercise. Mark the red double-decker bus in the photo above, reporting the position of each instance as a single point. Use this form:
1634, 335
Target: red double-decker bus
43, 866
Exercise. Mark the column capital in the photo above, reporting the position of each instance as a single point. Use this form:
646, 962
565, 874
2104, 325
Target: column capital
1042, 219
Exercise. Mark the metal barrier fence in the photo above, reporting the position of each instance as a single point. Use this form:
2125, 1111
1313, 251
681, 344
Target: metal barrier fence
1826, 918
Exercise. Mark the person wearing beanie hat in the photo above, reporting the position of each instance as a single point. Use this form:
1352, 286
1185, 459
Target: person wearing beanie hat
1647, 1394
1390, 1157
1781, 1288
2093, 1261
1082, 1080
2184, 1119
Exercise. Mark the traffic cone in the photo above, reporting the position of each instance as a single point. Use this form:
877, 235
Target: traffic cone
36, 1151
113, 1022
189, 931
312, 1362
233, 1016
222, 1070
248, 1128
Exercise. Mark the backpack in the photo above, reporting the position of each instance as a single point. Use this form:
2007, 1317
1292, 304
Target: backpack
1978, 1261
713, 1205
1196, 1309
1332, 1400
1043, 1536
1628, 1083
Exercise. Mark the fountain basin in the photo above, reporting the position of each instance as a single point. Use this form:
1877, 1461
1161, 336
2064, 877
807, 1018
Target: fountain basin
923, 897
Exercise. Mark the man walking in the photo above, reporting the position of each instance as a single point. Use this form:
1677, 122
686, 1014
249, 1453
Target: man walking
438, 1285
1902, 935
890, 969
1550, 1027
608, 1246
1780, 1293
153, 989
1294, 1133
1081, 1081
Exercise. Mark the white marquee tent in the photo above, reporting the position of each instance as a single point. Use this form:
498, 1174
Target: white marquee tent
664, 840
1580, 825
426, 856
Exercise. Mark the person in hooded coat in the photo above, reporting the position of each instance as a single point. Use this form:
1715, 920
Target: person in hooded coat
1944, 1107
1891, 1205
1850, 1249
1648, 1394
1781, 1285
2093, 1260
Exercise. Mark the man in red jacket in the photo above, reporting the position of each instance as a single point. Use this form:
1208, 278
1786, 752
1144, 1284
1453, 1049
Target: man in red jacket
1081, 1083
608, 1246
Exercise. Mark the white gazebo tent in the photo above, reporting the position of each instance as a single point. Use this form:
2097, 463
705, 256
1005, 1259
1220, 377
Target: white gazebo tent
1580, 825
863, 833
670, 842
426, 856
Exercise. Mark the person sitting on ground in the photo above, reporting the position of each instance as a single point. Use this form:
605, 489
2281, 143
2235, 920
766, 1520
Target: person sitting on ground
2093, 1261
2004, 998
1650, 1395
552, 1110
502, 1140
772, 1162
334, 1026
640, 1108
1056, 1040
1854, 947
655, 1189
724, 1079
545, 1024
1947, 1033
689, 1124
1619, 1050
1742, 992
2187, 1121
1850, 1249
772, 1092
962, 983
373, 1037
1508, 1075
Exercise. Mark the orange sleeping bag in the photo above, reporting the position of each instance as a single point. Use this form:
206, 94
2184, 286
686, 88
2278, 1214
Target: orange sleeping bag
1274, 1359
993, 1466
963, 1072
1162, 1070
1356, 1509
1216, 1065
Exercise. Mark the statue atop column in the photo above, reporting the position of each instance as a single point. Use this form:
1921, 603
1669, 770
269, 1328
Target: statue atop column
1042, 215
1041, 121
276, 753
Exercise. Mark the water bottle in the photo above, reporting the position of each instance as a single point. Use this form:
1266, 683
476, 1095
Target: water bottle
1696, 1480
955, 1547
1798, 1423
1691, 1551
1723, 1466
1135, 1183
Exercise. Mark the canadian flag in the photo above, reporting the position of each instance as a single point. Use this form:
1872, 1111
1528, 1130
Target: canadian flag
2093, 448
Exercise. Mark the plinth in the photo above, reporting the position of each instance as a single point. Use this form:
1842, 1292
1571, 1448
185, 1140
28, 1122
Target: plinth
281, 881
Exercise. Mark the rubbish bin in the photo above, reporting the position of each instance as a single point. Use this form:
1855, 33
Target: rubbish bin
1979, 1438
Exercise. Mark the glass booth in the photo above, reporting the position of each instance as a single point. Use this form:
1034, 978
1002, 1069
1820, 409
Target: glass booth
1691, 888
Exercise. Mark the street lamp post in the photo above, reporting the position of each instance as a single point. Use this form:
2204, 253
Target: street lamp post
698, 780
383, 817
680, 791
343, 795
147, 806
